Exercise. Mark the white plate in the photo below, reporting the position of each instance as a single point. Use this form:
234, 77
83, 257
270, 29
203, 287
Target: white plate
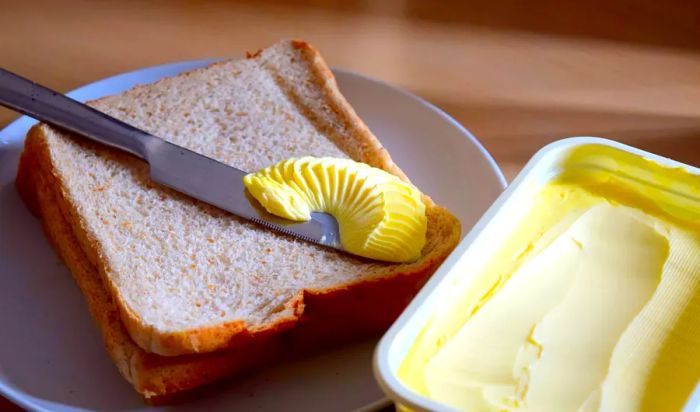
51, 356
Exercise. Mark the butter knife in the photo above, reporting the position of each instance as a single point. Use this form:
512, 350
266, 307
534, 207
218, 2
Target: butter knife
170, 165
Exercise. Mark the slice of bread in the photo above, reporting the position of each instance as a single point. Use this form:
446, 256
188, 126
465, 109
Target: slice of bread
336, 316
165, 275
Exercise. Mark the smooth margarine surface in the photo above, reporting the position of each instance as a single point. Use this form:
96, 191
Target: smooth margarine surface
379, 216
591, 303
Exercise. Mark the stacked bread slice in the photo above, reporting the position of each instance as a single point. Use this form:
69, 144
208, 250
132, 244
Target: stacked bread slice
182, 292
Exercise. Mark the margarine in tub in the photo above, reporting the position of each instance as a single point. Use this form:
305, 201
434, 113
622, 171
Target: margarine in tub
589, 302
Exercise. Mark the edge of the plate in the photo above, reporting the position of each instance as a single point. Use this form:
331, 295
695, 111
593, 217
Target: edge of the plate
480, 147
154, 73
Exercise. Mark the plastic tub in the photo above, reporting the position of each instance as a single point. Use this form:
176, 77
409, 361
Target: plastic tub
475, 250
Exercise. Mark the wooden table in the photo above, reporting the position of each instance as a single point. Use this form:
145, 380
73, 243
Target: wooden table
517, 74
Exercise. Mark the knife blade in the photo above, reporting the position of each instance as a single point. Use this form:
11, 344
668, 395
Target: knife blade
170, 165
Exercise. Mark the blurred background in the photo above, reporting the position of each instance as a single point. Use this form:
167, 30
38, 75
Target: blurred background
518, 74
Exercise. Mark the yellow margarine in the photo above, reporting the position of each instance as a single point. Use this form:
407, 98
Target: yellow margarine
592, 303
379, 215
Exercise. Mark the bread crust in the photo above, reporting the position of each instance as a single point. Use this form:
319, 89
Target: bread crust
146, 357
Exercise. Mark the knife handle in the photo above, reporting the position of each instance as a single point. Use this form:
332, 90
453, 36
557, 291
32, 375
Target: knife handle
51, 107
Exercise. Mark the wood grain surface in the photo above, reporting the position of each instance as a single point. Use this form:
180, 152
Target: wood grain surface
517, 74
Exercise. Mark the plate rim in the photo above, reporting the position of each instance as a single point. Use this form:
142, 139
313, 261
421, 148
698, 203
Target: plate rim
24, 400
